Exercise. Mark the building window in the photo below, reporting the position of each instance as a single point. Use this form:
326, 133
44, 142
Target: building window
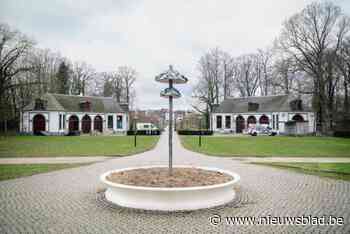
60, 122
277, 122
110, 121
227, 121
273, 122
219, 121
119, 121
64, 122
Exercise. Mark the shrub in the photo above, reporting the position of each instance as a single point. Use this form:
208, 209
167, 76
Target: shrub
144, 132
345, 134
195, 132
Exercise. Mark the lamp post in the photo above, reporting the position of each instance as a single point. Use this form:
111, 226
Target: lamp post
135, 129
200, 133
171, 77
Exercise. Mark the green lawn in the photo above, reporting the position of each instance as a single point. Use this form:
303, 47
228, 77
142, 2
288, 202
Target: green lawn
56, 146
20, 170
265, 146
333, 170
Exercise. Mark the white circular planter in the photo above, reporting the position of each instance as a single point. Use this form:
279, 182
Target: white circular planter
170, 199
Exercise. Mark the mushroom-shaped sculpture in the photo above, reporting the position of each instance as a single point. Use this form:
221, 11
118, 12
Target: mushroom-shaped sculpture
170, 92
171, 76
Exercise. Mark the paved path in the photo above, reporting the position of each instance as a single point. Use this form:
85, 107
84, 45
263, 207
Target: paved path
294, 159
52, 160
59, 160
66, 201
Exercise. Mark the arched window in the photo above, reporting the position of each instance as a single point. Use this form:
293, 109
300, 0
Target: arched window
98, 123
264, 120
86, 124
73, 123
239, 124
251, 120
298, 118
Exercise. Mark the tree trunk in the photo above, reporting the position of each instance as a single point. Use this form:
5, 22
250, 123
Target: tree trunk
127, 94
83, 88
346, 97
5, 126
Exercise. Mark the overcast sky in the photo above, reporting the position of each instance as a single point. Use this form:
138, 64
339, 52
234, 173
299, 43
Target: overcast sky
150, 35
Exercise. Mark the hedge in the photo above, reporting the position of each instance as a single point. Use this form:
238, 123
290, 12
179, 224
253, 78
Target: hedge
345, 134
144, 132
195, 132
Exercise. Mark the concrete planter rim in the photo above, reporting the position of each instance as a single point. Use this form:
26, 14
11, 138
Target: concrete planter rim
235, 179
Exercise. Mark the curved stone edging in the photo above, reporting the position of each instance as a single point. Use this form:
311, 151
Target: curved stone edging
170, 199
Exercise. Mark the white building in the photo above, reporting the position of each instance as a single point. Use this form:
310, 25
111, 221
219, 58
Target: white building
59, 114
281, 113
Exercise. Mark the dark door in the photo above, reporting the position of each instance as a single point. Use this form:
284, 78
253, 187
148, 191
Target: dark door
98, 123
239, 124
73, 123
86, 124
38, 123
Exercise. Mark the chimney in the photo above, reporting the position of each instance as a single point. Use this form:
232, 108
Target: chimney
124, 106
296, 105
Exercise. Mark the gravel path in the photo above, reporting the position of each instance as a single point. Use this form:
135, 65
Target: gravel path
69, 201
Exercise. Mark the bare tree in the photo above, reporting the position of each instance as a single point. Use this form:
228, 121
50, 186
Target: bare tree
14, 47
343, 64
128, 77
228, 73
248, 75
308, 37
82, 74
264, 62
45, 66
111, 80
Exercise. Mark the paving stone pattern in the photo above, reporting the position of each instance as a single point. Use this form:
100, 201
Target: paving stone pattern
71, 201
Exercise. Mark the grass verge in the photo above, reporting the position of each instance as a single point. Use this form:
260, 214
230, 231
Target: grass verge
12, 171
266, 146
58, 146
331, 170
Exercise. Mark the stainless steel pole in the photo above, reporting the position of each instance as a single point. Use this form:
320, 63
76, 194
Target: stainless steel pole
170, 131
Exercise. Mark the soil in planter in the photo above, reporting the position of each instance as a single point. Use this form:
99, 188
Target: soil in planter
159, 177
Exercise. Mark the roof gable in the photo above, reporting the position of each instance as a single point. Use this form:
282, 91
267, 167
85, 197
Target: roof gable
278, 103
72, 103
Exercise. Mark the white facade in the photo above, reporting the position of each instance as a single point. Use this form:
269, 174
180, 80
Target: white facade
276, 120
58, 122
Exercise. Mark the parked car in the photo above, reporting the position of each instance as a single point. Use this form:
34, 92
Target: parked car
261, 130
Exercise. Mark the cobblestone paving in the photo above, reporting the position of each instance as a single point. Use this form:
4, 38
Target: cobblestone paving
69, 201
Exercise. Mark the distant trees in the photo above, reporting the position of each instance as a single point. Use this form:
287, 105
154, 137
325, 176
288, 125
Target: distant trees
14, 50
343, 64
207, 90
248, 74
27, 72
82, 74
128, 76
120, 84
62, 78
311, 56
313, 38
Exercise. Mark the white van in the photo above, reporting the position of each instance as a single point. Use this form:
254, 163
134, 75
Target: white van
146, 126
